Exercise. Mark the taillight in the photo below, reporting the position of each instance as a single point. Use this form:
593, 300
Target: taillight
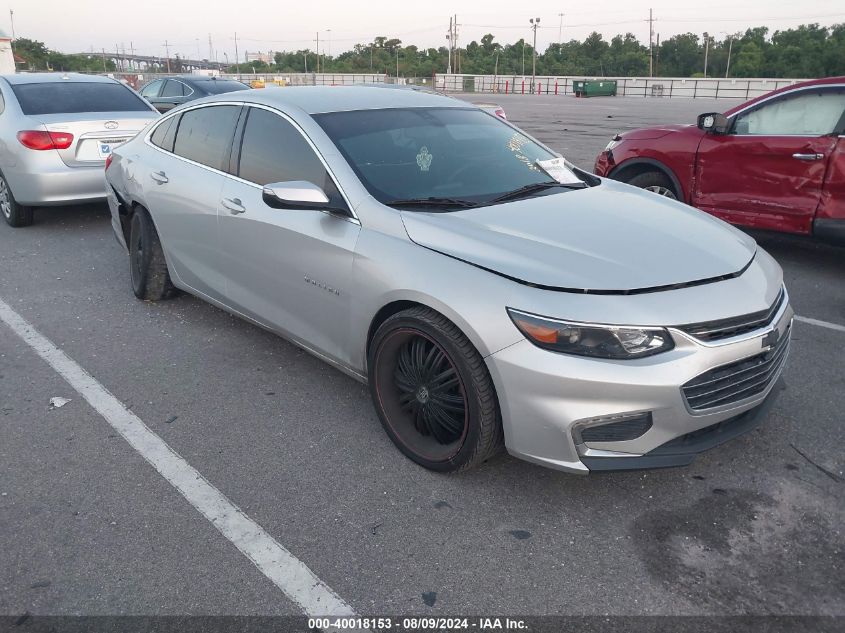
41, 140
108, 160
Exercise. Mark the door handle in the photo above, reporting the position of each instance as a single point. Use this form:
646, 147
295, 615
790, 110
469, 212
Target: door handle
234, 205
160, 177
801, 156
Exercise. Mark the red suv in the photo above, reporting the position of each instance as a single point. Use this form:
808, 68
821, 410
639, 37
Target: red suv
776, 162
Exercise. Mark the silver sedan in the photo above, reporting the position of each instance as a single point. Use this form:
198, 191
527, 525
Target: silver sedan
56, 130
490, 293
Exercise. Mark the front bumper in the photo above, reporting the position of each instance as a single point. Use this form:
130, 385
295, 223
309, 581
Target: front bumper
60, 185
604, 163
545, 396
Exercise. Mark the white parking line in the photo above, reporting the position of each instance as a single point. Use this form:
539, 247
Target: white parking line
286, 571
826, 324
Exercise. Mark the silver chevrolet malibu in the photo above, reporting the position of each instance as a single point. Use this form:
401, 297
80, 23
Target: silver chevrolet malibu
490, 293
56, 130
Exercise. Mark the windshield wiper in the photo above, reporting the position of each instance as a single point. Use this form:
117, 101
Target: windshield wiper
534, 187
432, 201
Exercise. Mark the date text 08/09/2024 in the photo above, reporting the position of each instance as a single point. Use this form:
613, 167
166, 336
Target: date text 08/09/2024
418, 624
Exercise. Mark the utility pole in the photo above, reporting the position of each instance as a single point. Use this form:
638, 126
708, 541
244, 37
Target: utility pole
132, 52
449, 41
104, 61
210, 48
167, 53
535, 23
455, 43
237, 61
657, 57
397, 64
730, 47
650, 44
117, 55
318, 52
706, 50
305, 57
560, 33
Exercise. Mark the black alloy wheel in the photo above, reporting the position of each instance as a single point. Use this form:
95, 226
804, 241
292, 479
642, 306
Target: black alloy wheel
432, 391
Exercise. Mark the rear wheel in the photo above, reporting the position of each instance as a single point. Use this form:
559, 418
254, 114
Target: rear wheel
147, 267
655, 182
15, 214
432, 392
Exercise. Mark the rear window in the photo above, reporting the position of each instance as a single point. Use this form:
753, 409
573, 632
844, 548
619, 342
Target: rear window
75, 97
218, 86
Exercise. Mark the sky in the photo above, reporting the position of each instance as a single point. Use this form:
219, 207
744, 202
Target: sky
261, 25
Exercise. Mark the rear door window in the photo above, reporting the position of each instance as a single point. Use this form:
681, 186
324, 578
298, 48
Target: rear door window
173, 88
73, 97
205, 134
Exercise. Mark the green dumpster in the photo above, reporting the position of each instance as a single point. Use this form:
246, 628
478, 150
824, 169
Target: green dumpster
594, 88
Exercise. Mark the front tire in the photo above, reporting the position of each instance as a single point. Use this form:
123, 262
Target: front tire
432, 392
147, 267
655, 182
15, 214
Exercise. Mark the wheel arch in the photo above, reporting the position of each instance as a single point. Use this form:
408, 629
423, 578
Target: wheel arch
637, 166
397, 304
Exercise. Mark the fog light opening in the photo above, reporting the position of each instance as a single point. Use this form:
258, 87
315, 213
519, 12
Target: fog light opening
612, 428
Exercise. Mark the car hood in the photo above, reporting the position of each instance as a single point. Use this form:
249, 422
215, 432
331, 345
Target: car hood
611, 238
648, 133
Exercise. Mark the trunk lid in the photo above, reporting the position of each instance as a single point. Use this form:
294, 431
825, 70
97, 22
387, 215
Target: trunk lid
95, 135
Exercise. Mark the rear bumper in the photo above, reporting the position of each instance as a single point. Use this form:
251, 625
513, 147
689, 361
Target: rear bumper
60, 186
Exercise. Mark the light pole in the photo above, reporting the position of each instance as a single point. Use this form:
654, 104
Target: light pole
706, 50
535, 23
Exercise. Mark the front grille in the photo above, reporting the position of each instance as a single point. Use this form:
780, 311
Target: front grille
734, 326
737, 381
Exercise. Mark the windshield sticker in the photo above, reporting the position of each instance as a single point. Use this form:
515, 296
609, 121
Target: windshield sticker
424, 159
559, 170
515, 144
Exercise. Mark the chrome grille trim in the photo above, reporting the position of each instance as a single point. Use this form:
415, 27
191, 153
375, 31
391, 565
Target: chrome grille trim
738, 380
734, 326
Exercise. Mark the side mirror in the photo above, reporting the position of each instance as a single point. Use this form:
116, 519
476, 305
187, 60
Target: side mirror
295, 194
713, 123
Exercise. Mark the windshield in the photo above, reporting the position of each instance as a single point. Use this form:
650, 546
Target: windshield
219, 86
77, 97
435, 153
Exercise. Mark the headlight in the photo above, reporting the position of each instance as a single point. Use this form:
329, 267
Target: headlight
597, 341
613, 143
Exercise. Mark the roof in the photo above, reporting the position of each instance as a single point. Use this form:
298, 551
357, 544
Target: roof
317, 99
40, 78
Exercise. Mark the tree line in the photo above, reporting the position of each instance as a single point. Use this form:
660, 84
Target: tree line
806, 51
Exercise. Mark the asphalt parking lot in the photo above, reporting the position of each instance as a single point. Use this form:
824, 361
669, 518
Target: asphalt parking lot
89, 527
